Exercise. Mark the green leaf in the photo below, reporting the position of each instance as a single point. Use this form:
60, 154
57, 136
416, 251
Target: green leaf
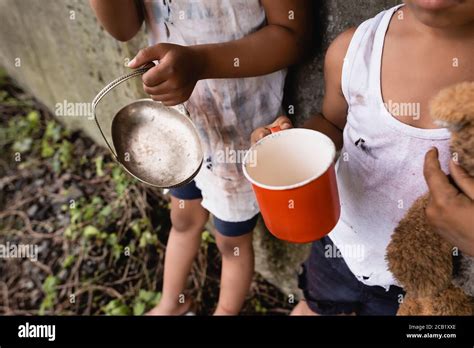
145, 299
136, 228
33, 118
99, 164
47, 303
69, 232
116, 307
75, 215
96, 200
68, 261
90, 232
49, 284
46, 149
145, 295
112, 239
53, 131
207, 237
56, 163
147, 238
106, 211
117, 251
139, 308
259, 308
65, 154
22, 145
156, 299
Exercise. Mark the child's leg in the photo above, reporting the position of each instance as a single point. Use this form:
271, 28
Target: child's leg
234, 240
302, 308
237, 272
188, 218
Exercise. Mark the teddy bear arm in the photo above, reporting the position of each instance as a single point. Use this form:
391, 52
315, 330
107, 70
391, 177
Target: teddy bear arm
417, 256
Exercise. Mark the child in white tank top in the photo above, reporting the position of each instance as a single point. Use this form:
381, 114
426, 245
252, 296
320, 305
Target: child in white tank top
386, 132
227, 60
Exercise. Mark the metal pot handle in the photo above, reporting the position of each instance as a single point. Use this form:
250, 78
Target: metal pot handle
108, 88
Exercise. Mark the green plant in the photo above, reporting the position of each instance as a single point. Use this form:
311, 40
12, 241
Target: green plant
116, 307
68, 261
142, 230
145, 300
21, 131
259, 308
99, 166
49, 289
207, 237
121, 179
64, 152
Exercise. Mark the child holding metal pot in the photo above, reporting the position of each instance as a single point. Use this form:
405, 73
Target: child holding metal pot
227, 59
379, 79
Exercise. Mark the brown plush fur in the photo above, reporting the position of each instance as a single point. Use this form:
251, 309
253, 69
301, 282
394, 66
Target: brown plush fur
454, 108
418, 257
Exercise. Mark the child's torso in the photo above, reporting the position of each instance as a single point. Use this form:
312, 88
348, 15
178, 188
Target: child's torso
193, 22
415, 67
380, 171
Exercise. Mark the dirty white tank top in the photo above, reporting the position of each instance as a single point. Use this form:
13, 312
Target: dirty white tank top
225, 111
380, 171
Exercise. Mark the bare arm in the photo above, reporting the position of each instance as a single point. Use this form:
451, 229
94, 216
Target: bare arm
332, 119
121, 18
280, 43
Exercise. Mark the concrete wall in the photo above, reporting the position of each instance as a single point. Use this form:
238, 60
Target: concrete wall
58, 52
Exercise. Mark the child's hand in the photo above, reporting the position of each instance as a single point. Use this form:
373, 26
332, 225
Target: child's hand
172, 81
283, 122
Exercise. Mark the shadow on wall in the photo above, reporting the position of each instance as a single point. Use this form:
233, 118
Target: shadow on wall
315, 54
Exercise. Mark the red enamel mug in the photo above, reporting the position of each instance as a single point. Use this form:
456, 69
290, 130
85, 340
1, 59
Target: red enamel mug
293, 177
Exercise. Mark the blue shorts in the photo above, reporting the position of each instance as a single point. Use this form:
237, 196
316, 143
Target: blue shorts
331, 288
229, 229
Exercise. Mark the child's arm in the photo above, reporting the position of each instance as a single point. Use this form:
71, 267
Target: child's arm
280, 43
121, 18
332, 119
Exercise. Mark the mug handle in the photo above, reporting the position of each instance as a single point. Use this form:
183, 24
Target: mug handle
275, 129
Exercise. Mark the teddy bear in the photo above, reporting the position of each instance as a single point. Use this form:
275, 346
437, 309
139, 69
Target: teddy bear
437, 277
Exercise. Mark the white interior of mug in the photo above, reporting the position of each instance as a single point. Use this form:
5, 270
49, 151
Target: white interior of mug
289, 159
